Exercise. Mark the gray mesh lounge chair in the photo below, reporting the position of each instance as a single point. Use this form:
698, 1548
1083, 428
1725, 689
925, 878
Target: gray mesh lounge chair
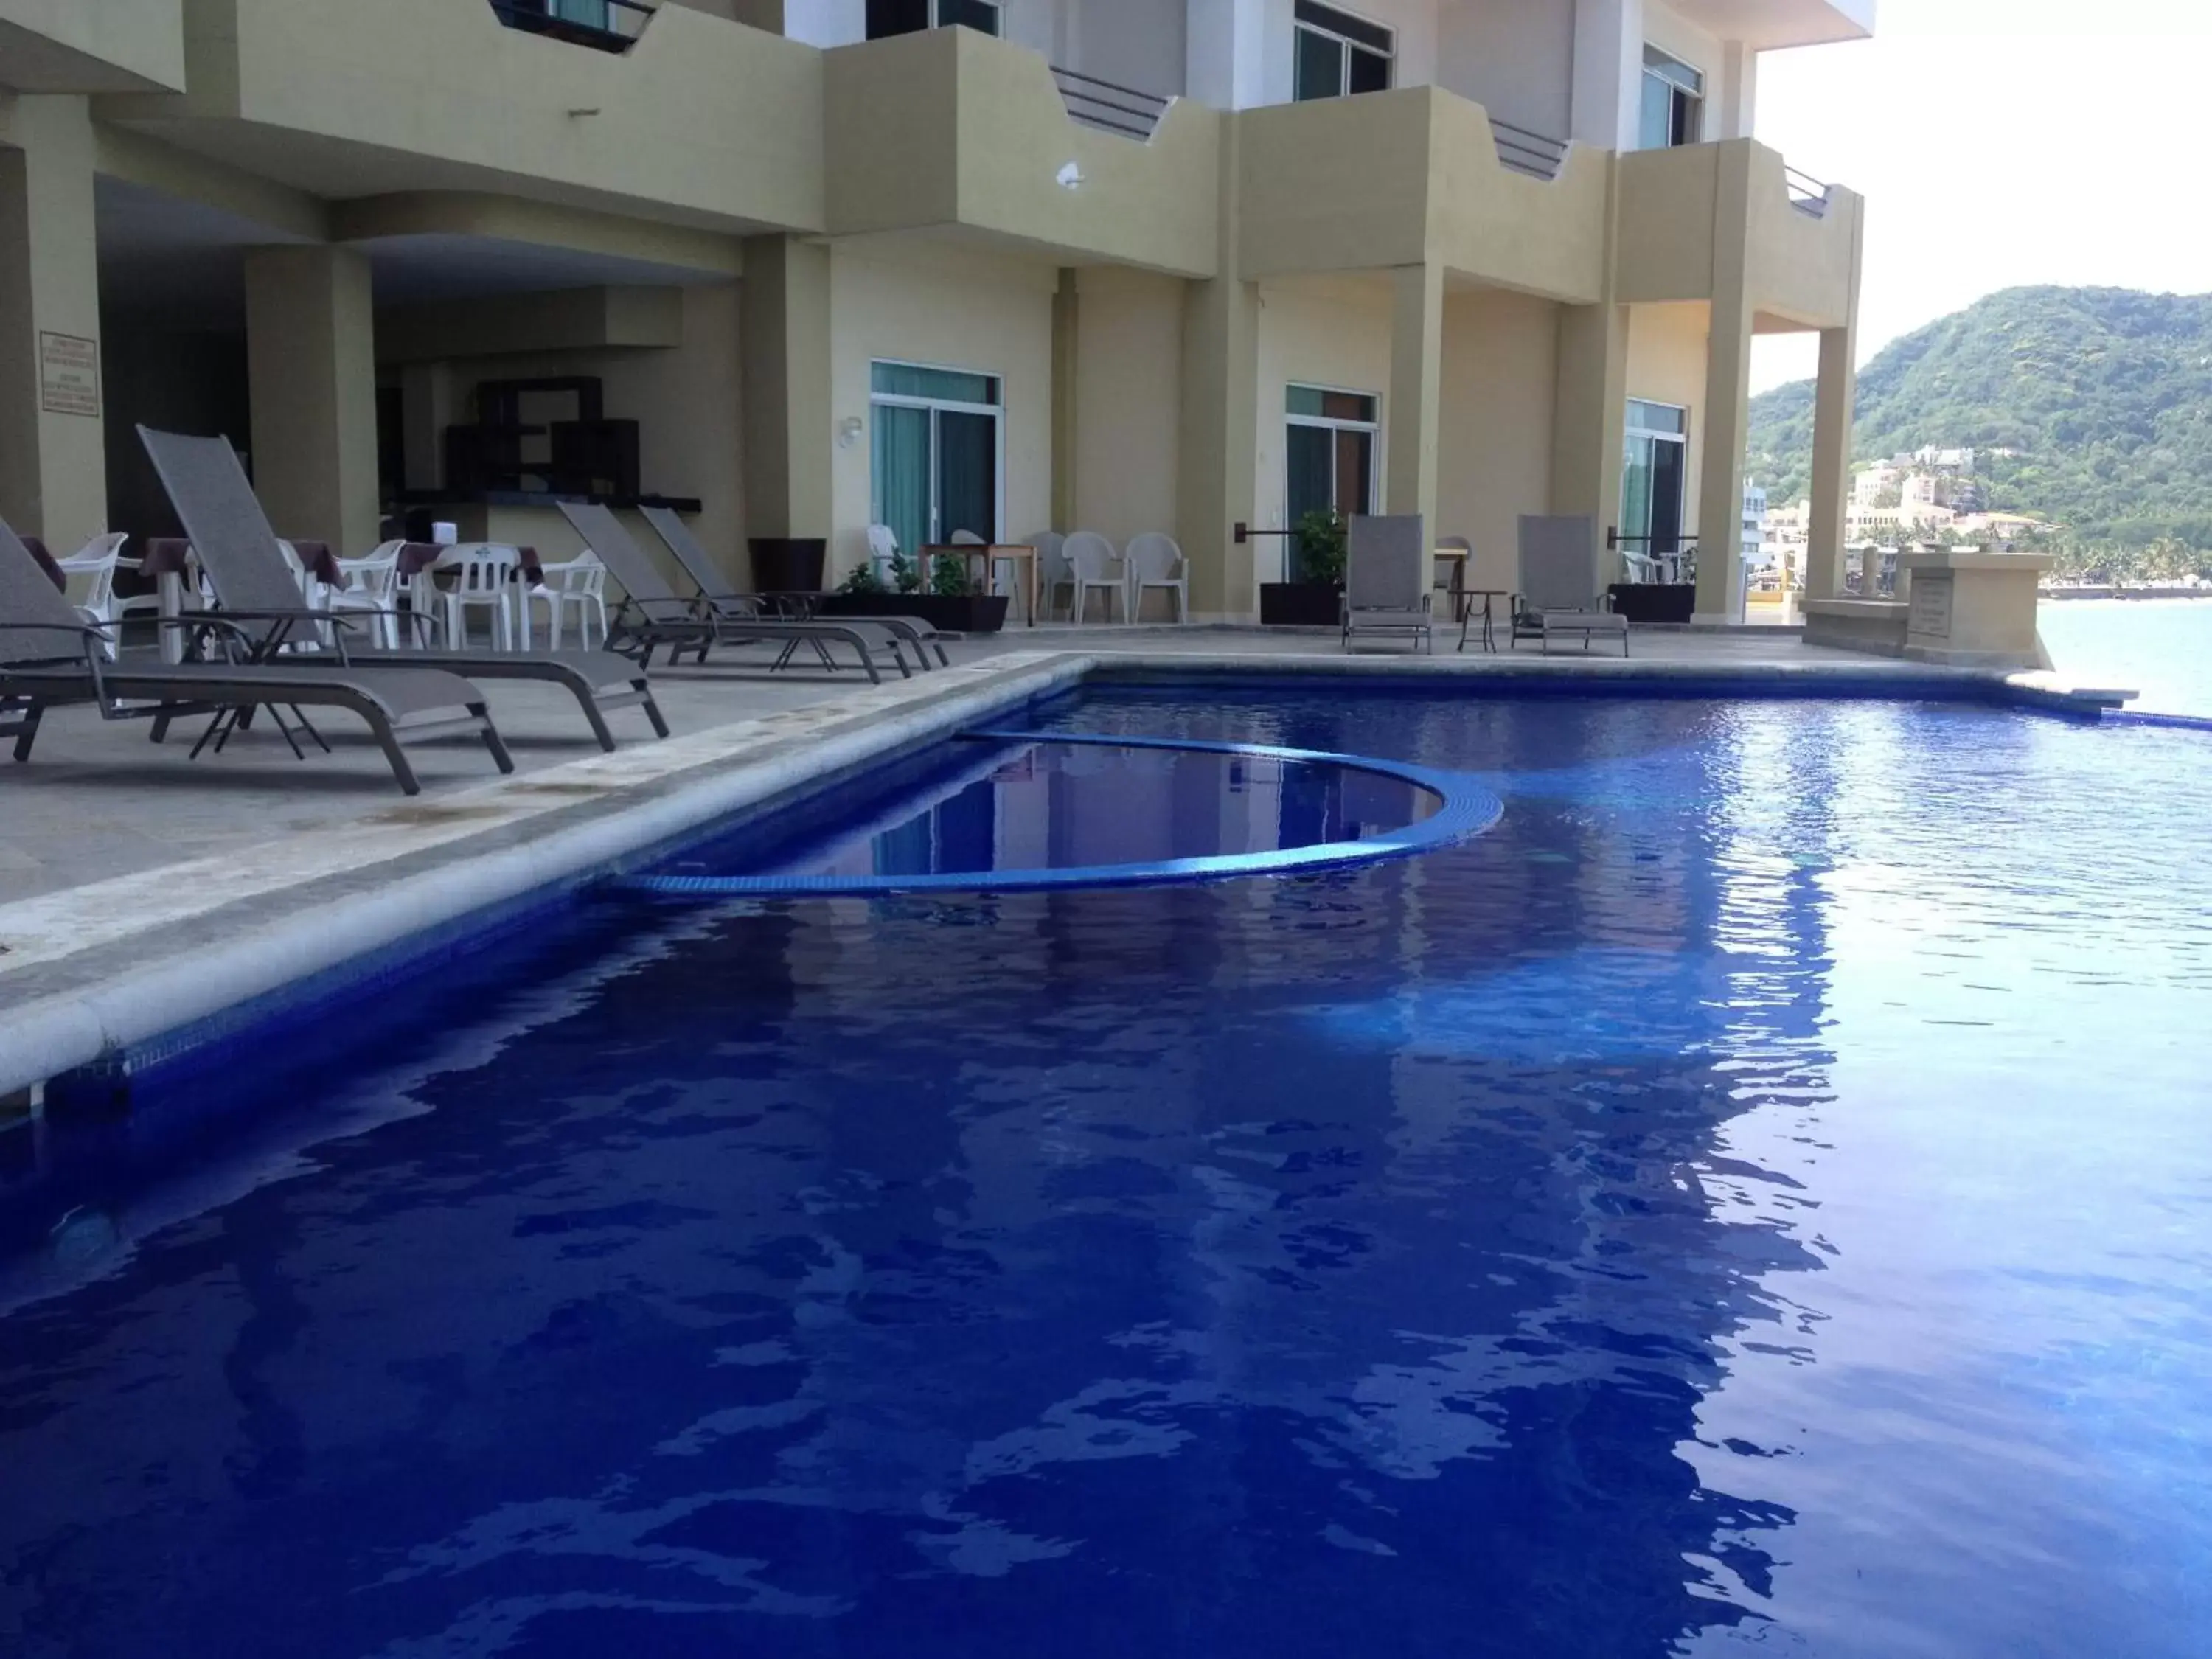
50, 657
1557, 596
651, 616
239, 551
724, 600
1386, 579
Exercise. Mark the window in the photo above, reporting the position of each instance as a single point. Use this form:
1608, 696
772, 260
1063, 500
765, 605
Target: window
1654, 464
936, 452
911, 16
1673, 102
1339, 54
1328, 455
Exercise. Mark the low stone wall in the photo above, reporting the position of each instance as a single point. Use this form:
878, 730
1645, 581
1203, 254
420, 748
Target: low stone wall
1875, 626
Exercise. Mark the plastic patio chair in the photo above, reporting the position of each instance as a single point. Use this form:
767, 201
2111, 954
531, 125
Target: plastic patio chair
97, 561
1092, 560
580, 584
1054, 572
484, 580
1155, 562
371, 583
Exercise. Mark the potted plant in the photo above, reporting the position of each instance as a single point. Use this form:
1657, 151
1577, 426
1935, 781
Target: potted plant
953, 604
1314, 598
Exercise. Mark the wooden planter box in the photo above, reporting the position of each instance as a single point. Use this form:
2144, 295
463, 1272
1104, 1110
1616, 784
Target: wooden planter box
967, 613
1301, 604
1656, 602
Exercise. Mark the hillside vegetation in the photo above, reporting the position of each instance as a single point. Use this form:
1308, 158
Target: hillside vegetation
2105, 394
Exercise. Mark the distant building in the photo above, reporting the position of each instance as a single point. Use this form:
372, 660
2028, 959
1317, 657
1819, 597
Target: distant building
1754, 522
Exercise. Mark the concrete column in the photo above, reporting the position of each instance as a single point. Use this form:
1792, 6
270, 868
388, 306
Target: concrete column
1590, 415
1224, 47
311, 374
1067, 378
1410, 438
54, 464
1727, 396
1608, 89
428, 407
1832, 400
783, 340
1216, 485
1735, 107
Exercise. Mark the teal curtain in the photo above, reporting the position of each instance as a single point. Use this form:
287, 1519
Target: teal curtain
942, 386
592, 14
1636, 491
1310, 456
901, 474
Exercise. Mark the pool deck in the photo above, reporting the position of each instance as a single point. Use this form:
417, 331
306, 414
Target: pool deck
141, 893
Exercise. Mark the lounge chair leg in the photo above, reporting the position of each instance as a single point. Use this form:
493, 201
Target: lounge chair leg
159, 731
596, 720
493, 741
220, 724
402, 773
308, 726
284, 731
27, 733
652, 709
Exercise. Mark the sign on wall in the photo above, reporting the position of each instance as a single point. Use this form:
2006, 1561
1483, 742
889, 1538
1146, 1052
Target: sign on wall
1929, 617
69, 374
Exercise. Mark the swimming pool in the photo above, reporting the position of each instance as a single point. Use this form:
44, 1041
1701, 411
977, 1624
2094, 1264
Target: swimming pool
1757, 1191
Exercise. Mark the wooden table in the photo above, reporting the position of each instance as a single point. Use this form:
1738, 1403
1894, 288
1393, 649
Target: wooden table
992, 555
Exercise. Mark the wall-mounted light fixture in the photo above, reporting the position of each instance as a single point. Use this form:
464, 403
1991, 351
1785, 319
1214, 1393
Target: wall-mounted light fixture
849, 431
1071, 176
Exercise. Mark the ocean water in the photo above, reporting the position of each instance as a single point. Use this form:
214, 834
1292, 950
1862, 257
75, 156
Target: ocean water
2160, 648
1757, 1198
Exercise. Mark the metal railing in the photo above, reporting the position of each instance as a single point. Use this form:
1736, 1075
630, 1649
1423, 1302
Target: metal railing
1807, 193
1110, 108
602, 24
1524, 151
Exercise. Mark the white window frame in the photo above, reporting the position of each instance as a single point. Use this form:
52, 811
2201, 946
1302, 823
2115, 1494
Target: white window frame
1301, 26
931, 405
1331, 423
1675, 87
1630, 428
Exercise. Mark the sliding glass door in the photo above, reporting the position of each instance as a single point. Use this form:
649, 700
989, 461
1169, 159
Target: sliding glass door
1654, 467
1328, 453
936, 448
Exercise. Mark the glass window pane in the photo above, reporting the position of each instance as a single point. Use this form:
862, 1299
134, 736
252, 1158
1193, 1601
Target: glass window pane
967, 475
1656, 122
944, 385
1689, 119
1355, 472
1636, 492
1320, 67
1304, 400
1668, 67
1371, 71
1347, 406
982, 16
889, 17
1373, 36
900, 494
1654, 417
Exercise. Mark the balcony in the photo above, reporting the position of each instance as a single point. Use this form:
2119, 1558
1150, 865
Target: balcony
92, 46
1419, 175
1800, 237
951, 131
692, 114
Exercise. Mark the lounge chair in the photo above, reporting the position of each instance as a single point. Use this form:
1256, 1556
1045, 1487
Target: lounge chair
724, 600
1557, 596
51, 657
245, 564
1386, 579
651, 616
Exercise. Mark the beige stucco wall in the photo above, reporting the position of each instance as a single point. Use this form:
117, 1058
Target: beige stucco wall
1666, 365
1332, 332
951, 308
92, 46
1127, 403
1500, 362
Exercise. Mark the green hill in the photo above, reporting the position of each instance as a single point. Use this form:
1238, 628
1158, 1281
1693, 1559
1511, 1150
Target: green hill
2104, 394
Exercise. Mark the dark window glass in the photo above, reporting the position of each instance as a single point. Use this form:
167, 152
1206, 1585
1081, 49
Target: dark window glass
1347, 406
1371, 35
887, 17
1370, 71
1320, 67
982, 16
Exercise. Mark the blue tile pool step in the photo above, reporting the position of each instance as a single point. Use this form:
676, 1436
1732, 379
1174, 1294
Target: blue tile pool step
1451, 807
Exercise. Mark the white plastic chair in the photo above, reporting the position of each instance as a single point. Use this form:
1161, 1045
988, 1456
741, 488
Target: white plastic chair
97, 560
883, 548
1096, 565
1053, 569
371, 583
1155, 562
581, 583
484, 580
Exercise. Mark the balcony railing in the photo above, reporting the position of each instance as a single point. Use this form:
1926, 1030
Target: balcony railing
1108, 107
1807, 193
602, 24
1528, 152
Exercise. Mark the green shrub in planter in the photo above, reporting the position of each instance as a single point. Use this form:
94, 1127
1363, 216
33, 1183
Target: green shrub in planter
1321, 539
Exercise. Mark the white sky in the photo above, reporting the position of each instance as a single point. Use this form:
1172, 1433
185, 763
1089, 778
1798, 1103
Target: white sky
2001, 142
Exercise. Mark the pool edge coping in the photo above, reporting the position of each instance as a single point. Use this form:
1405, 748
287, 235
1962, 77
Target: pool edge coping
107, 1001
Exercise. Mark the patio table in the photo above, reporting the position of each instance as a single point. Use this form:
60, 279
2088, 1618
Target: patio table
1485, 594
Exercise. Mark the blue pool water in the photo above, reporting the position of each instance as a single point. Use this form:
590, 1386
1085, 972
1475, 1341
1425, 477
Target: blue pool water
1758, 1196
